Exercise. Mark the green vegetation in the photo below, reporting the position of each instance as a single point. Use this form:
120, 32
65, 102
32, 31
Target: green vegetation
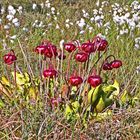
28, 112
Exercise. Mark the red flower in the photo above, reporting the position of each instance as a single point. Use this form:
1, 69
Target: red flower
81, 56
40, 49
100, 44
75, 80
94, 81
50, 73
88, 47
47, 49
69, 47
9, 58
50, 51
107, 66
116, 63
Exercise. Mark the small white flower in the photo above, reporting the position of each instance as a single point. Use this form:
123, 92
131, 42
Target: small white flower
106, 31
82, 32
13, 37
48, 14
92, 19
55, 18
47, 1
42, 5
36, 21
100, 11
48, 5
98, 3
135, 7
15, 20
2, 11
83, 11
4, 44
138, 69
81, 24
13, 12
61, 44
10, 8
52, 9
20, 8
127, 15
139, 7
53, 12
25, 29
101, 36
137, 46
34, 6
120, 10
0, 21
40, 24
44, 33
86, 15
95, 11
34, 24
58, 13
67, 20
90, 29
9, 17
12, 41
121, 32
17, 24
107, 24
67, 25
6, 27
97, 18
71, 23
50, 24
136, 17
57, 26
132, 24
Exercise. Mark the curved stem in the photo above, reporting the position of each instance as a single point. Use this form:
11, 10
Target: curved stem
15, 81
109, 57
104, 62
96, 62
77, 42
68, 68
61, 64
80, 67
12, 51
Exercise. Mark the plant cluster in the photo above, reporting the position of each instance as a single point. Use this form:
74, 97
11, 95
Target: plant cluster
70, 79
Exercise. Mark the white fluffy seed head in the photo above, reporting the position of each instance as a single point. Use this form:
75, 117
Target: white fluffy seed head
62, 44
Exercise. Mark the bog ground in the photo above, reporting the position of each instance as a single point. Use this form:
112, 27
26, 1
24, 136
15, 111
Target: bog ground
69, 70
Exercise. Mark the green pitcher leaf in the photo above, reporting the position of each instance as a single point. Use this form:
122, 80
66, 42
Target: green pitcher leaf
125, 96
75, 106
103, 103
68, 112
1, 103
104, 115
33, 93
112, 89
108, 90
94, 96
22, 79
5, 81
